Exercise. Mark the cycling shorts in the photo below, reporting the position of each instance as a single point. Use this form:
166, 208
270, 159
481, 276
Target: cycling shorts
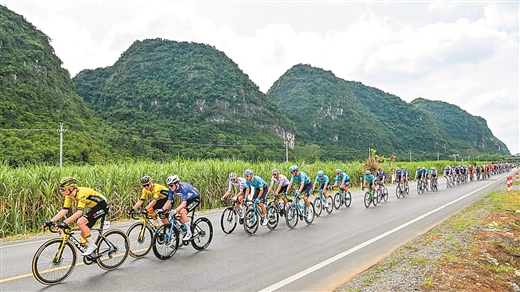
345, 184
192, 203
262, 196
98, 211
160, 203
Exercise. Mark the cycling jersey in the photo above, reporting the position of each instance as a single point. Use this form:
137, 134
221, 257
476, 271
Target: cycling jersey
257, 183
340, 178
381, 176
158, 192
86, 197
282, 180
241, 184
301, 178
369, 179
185, 191
322, 180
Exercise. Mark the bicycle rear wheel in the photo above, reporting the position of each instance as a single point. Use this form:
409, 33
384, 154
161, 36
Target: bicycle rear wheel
112, 249
319, 206
165, 244
228, 220
272, 216
291, 216
348, 199
202, 233
49, 266
251, 221
140, 237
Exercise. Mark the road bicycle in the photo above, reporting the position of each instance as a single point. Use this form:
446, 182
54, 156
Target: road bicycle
320, 201
434, 185
342, 198
231, 217
140, 234
420, 186
167, 237
55, 260
254, 213
370, 198
402, 190
382, 193
299, 210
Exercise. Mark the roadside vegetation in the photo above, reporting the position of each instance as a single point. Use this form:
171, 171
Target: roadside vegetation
29, 195
476, 249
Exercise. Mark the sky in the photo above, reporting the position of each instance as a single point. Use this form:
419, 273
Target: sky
462, 52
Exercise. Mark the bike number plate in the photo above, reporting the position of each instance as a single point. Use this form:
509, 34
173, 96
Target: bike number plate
106, 225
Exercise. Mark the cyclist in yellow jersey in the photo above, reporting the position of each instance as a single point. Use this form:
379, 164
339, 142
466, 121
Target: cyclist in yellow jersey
158, 193
86, 198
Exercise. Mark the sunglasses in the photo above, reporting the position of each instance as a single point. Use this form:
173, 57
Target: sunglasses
63, 189
146, 185
172, 185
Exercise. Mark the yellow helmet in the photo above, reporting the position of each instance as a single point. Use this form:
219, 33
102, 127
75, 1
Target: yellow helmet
68, 182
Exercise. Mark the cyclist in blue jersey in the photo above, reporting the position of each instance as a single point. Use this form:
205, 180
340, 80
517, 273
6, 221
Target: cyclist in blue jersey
190, 199
342, 179
369, 179
260, 191
381, 176
404, 175
305, 186
324, 182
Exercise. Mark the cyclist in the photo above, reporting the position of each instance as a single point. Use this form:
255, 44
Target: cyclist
397, 174
282, 182
404, 175
190, 199
158, 194
381, 176
86, 198
343, 179
305, 186
324, 182
448, 173
239, 182
434, 175
369, 179
260, 192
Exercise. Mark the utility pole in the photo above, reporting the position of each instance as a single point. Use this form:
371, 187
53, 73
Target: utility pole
410, 155
438, 156
368, 152
61, 131
286, 149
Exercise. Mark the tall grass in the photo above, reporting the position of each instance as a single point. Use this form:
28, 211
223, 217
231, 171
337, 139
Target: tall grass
29, 195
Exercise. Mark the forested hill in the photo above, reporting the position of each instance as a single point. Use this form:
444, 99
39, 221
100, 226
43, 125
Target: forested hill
461, 127
343, 118
184, 99
36, 95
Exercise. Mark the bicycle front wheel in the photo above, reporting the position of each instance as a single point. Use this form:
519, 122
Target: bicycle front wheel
165, 243
330, 204
112, 249
202, 233
337, 201
367, 200
385, 194
291, 216
140, 237
309, 214
54, 261
398, 192
272, 216
251, 222
228, 220
319, 206
348, 199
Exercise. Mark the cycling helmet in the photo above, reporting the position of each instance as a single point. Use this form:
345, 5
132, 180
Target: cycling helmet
293, 168
432, 168
320, 173
367, 172
248, 172
418, 167
68, 182
275, 171
338, 171
233, 175
397, 168
146, 179
172, 179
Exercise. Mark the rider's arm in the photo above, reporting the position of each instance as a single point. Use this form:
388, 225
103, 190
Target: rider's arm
74, 216
60, 214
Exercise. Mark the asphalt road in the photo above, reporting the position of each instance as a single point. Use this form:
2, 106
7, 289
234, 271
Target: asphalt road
317, 257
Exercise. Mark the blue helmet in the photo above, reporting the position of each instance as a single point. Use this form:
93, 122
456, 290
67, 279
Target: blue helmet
293, 168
